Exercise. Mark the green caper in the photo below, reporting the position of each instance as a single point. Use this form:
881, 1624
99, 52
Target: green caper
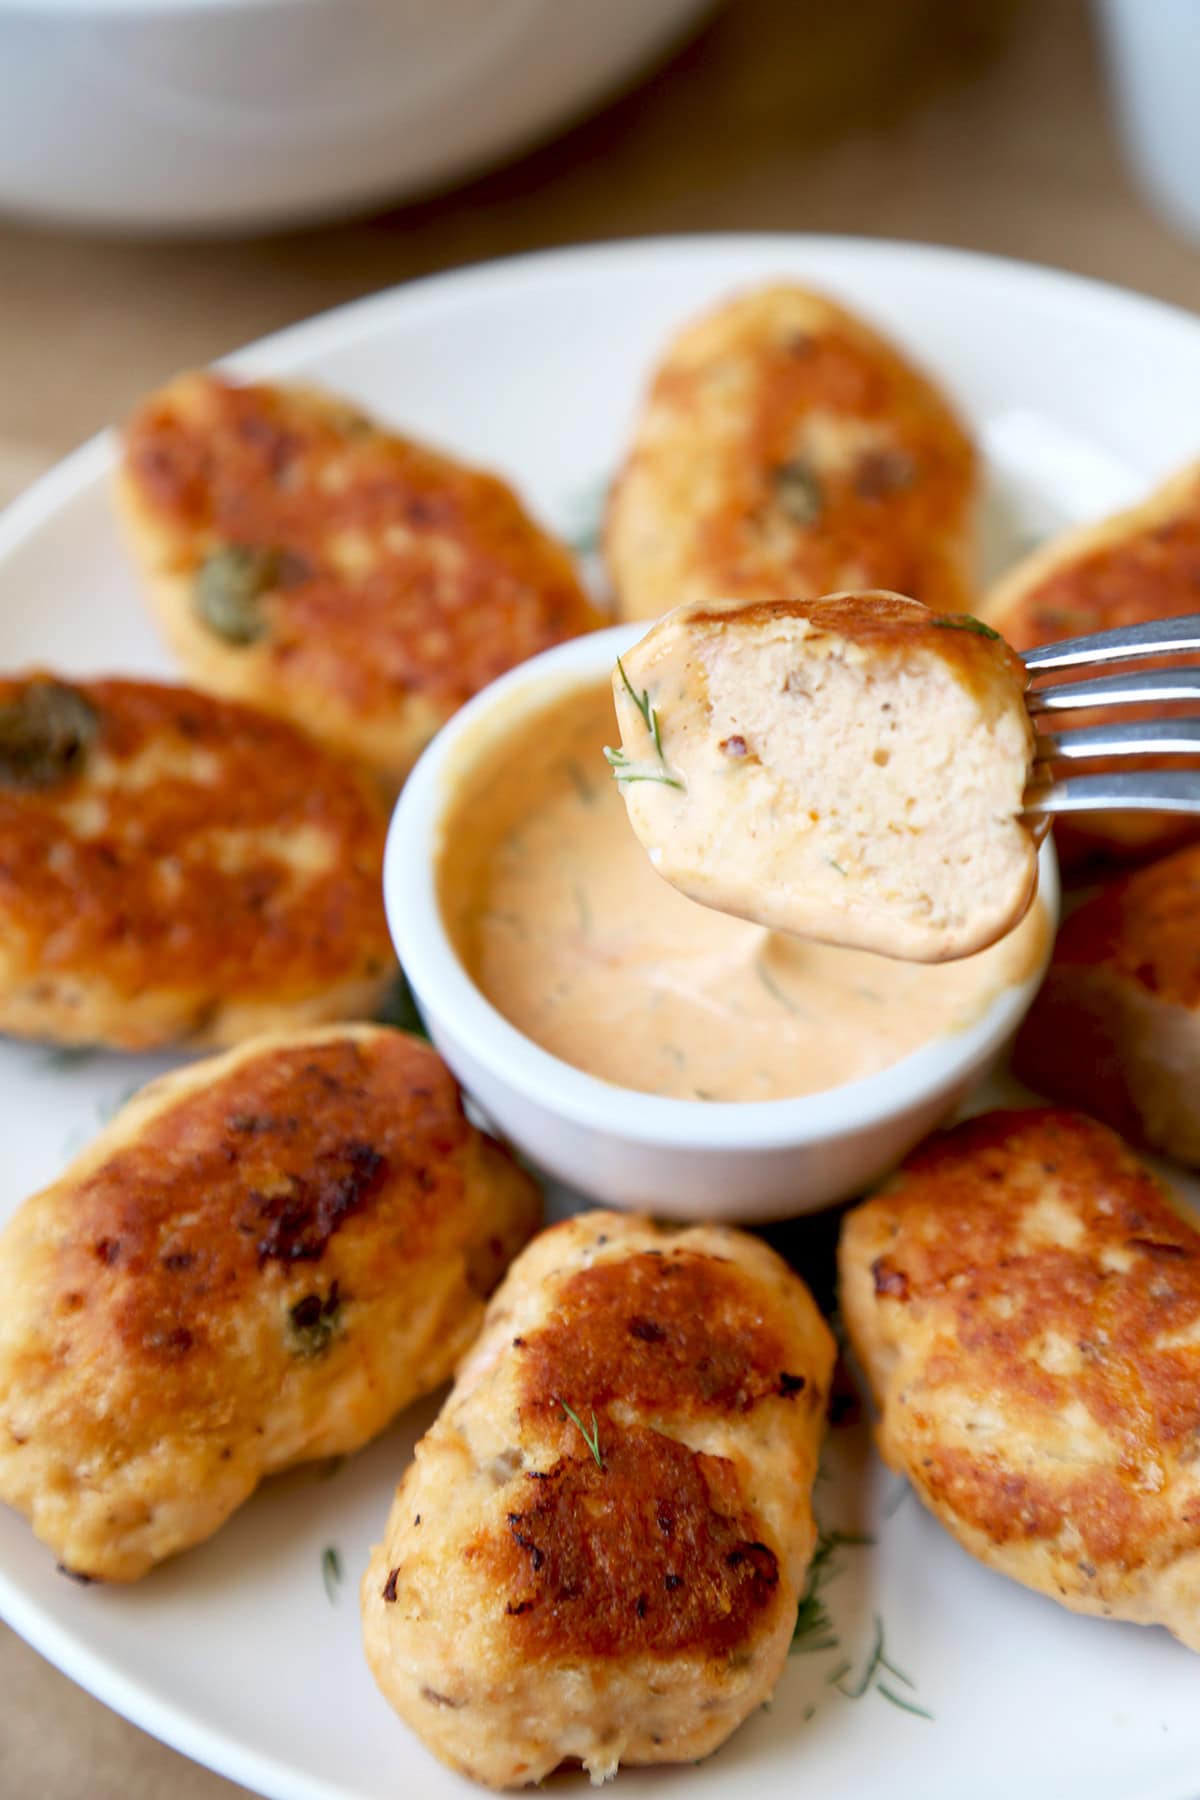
44, 734
230, 585
314, 1322
798, 492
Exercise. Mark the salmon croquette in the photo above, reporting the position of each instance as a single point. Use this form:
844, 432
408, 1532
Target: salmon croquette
1115, 1028
786, 450
300, 557
1138, 565
1025, 1300
175, 867
848, 769
599, 1549
259, 1262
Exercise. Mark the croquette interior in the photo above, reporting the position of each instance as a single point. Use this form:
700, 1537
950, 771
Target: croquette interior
867, 799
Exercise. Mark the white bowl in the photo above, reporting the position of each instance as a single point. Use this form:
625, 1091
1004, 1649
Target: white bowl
207, 115
688, 1159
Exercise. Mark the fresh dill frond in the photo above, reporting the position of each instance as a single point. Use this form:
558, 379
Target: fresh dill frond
629, 772
872, 1677
908, 1706
814, 1628
66, 1057
620, 764
331, 1572
593, 1440
964, 622
872, 1668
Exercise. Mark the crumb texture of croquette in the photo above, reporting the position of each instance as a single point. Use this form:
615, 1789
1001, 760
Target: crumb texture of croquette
175, 867
301, 557
598, 1551
257, 1263
1024, 1297
785, 449
1115, 1028
850, 769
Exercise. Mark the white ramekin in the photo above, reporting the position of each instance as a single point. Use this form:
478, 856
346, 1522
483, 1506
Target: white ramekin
681, 1158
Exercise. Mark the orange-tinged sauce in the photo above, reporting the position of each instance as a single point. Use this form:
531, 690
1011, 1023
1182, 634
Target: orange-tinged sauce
559, 918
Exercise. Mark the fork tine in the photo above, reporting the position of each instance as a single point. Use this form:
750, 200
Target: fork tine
1148, 790
1118, 690
1125, 737
1153, 637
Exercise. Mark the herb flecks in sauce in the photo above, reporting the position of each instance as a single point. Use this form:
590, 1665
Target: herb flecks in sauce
659, 994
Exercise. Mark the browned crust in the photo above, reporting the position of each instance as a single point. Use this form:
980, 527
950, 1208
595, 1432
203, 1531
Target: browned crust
889, 624
1143, 930
143, 900
1138, 565
652, 1551
663, 1332
899, 518
260, 1260
1116, 1026
451, 582
957, 1281
278, 1175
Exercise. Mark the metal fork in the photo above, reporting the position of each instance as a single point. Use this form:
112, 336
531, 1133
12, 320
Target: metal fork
1157, 790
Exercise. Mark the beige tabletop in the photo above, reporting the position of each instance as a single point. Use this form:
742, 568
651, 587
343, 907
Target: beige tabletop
981, 124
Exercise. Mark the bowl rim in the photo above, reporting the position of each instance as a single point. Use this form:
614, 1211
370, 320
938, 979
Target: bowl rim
445, 991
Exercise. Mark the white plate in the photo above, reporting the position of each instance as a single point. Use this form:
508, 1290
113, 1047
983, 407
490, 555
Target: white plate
235, 1653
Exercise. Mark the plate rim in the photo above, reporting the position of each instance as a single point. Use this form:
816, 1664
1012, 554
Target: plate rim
306, 339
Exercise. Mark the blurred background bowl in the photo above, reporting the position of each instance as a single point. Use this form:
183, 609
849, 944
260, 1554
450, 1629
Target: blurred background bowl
205, 116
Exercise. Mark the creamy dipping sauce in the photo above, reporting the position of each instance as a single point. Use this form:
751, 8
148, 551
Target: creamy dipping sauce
560, 920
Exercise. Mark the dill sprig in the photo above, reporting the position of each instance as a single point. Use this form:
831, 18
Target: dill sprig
625, 770
592, 1441
331, 1572
964, 622
878, 1664
814, 1630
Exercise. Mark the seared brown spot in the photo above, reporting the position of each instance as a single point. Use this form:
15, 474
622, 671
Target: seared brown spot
1152, 574
985, 1264
586, 1568
890, 626
388, 1590
203, 1215
297, 1223
1141, 929
436, 1699
246, 926
249, 467
885, 521
673, 1331
1115, 1523
889, 1279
